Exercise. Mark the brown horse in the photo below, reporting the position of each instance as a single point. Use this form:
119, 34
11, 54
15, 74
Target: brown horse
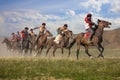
63, 43
8, 43
32, 45
42, 41
16, 45
96, 40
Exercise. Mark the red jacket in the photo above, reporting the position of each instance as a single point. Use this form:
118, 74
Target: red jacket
22, 34
89, 21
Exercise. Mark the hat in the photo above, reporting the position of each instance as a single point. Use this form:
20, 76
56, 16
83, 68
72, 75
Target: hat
43, 23
26, 28
89, 15
31, 29
12, 33
66, 25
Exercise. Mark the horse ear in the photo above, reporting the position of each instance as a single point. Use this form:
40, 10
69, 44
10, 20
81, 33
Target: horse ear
98, 20
70, 31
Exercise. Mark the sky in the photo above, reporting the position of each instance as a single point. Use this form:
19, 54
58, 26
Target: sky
17, 14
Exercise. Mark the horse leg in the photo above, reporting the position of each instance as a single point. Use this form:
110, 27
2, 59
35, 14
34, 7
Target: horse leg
69, 52
78, 48
37, 50
62, 51
47, 50
101, 49
55, 48
41, 50
30, 49
86, 51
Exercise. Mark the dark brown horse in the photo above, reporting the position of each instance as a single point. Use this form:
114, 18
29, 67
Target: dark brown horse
42, 42
16, 45
63, 43
8, 43
96, 40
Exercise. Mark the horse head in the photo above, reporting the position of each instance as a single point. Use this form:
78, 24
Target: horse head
48, 33
103, 23
5, 40
69, 34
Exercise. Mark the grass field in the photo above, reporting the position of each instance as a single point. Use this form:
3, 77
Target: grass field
13, 66
59, 69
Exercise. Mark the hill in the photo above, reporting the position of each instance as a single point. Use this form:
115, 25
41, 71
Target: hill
111, 38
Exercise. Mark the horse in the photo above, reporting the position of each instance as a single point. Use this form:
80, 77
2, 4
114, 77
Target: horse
26, 44
96, 40
8, 43
16, 45
62, 44
32, 45
42, 41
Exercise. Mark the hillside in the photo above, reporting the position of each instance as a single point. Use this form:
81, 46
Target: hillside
112, 38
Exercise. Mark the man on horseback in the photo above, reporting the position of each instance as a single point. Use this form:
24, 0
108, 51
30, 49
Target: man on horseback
18, 36
14, 37
88, 26
24, 35
32, 34
42, 29
60, 32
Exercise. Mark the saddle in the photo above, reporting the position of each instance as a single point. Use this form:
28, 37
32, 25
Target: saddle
86, 35
58, 39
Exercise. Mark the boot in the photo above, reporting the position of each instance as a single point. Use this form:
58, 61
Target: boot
90, 39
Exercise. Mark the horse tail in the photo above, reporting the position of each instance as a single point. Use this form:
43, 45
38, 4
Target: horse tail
77, 38
72, 43
49, 42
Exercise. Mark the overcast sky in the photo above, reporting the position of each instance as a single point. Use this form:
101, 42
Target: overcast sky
17, 14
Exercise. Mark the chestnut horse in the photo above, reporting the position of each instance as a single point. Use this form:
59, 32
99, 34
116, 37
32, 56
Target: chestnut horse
42, 42
96, 40
63, 43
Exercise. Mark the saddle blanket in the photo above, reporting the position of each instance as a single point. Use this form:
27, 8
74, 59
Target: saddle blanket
58, 38
87, 35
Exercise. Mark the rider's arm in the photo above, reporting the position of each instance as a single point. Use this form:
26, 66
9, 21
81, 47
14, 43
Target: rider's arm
36, 28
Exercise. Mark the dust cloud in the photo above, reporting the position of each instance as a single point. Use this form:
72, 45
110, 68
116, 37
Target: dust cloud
4, 53
7, 53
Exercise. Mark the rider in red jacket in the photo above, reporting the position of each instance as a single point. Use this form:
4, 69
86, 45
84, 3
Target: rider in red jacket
24, 35
88, 26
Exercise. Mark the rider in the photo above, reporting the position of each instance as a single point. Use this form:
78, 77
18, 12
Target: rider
14, 37
60, 32
24, 35
62, 29
18, 36
88, 26
31, 33
42, 29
